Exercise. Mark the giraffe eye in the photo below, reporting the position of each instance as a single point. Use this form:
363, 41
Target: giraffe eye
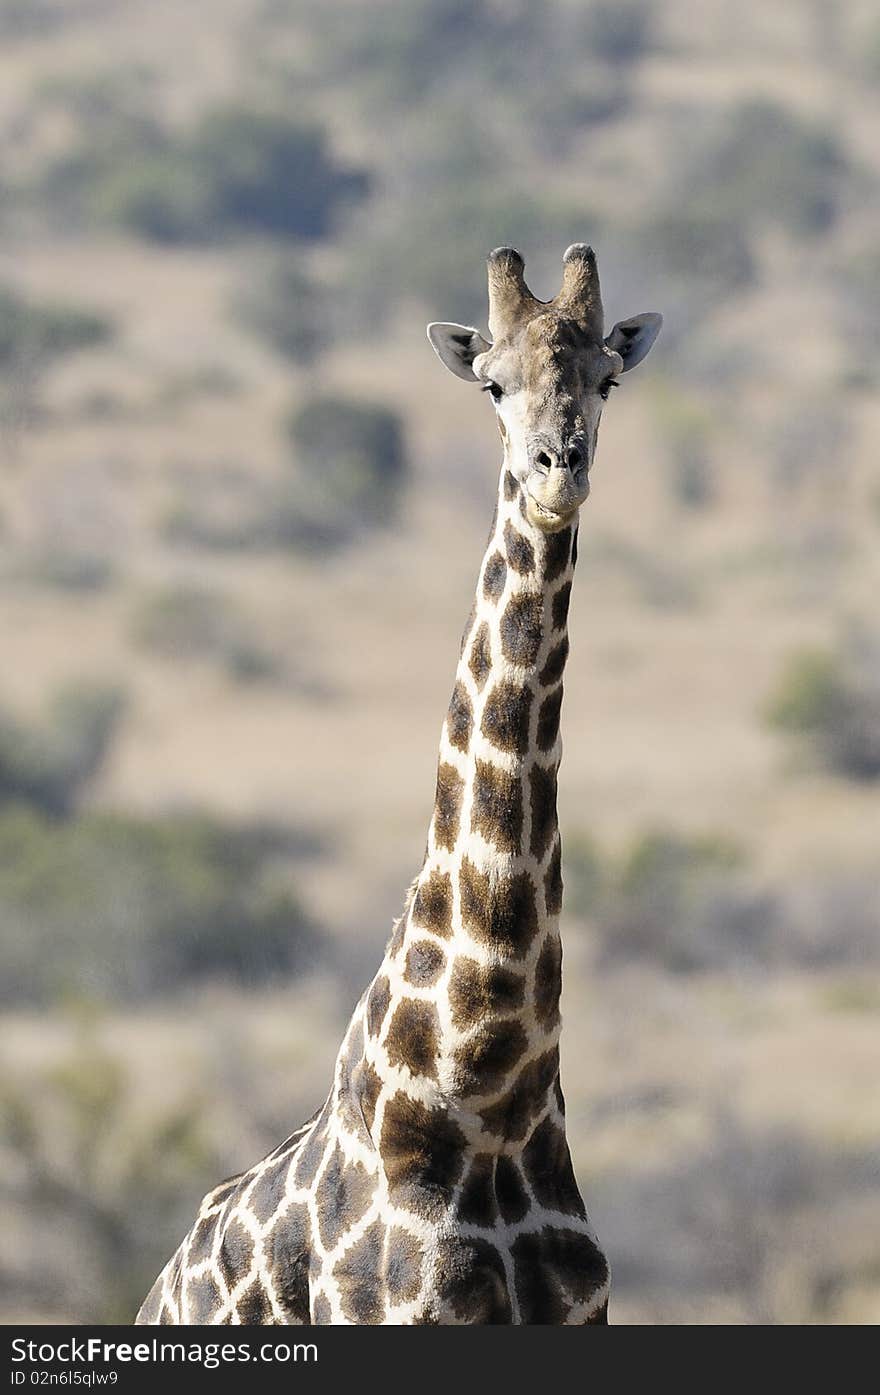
605, 388
495, 392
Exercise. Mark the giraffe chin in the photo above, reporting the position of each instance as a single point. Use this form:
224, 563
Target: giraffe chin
549, 520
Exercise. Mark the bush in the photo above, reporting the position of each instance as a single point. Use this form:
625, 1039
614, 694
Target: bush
31, 332
289, 311
690, 905
766, 164
833, 705
351, 459
64, 569
101, 1179
238, 171
28, 18
585, 875
618, 31
686, 428
422, 56
186, 622
659, 896
437, 245
116, 906
50, 765
651, 903
698, 243
158, 195
270, 173
809, 442
767, 1226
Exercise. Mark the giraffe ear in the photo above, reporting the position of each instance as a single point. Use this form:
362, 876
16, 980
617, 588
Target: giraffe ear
632, 338
457, 346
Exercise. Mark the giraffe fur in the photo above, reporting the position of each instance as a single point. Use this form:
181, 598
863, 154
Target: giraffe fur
435, 1186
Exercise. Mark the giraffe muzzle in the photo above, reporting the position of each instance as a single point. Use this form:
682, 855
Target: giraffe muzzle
555, 491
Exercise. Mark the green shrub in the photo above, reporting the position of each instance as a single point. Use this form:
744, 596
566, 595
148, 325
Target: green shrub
50, 764
585, 875
618, 31
436, 248
28, 18
238, 171
806, 694
64, 569
691, 905
763, 1225
834, 705
158, 195
101, 1175
699, 244
270, 173
34, 332
189, 622
351, 459
767, 164
391, 57
659, 863
686, 427
116, 906
288, 310
667, 899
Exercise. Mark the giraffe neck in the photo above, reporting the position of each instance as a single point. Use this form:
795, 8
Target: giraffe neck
464, 1012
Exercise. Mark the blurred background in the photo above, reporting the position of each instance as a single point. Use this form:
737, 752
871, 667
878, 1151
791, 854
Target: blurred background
242, 509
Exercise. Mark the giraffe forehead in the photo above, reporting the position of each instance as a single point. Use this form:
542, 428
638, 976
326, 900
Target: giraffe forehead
549, 356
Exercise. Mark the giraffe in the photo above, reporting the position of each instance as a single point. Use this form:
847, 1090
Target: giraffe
435, 1185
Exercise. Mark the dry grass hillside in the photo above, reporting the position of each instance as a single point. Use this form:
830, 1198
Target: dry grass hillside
227, 639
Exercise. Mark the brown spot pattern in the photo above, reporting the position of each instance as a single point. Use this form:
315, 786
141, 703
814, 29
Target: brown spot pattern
432, 904
494, 576
485, 1060
542, 785
403, 1265
556, 553
511, 1116
377, 1005
477, 1204
547, 1164
548, 982
358, 1273
423, 1153
553, 883
513, 1200
477, 990
425, 962
460, 718
521, 627
447, 806
344, 1193
548, 720
480, 662
366, 1086
555, 665
506, 717
520, 553
497, 810
499, 911
559, 609
413, 1037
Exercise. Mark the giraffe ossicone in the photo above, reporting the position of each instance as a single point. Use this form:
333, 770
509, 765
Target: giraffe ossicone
435, 1185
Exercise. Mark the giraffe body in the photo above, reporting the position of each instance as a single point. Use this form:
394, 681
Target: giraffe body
436, 1185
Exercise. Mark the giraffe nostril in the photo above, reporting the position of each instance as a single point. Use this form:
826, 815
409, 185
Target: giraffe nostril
543, 459
574, 458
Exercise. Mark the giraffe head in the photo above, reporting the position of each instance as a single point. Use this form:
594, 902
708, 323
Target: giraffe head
549, 370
